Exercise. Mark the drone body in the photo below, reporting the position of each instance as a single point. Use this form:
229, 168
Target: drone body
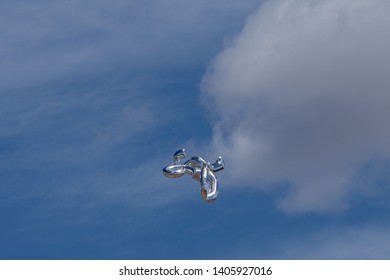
200, 170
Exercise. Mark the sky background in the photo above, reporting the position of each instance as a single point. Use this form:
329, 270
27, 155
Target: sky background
96, 96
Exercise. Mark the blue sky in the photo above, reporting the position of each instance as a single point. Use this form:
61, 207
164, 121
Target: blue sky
96, 96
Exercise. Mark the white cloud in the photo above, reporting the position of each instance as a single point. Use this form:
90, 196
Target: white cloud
302, 97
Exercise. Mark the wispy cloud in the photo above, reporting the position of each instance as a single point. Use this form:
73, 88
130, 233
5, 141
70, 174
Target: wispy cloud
55, 41
356, 242
363, 241
301, 97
